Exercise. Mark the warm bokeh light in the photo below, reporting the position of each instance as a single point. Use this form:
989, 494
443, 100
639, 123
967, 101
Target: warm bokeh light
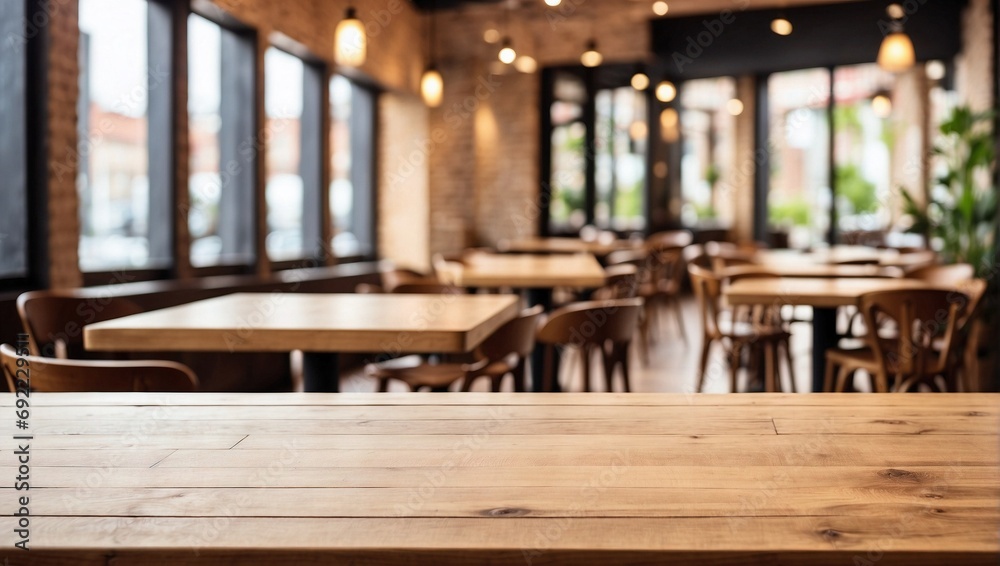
734, 106
526, 64
781, 26
660, 8
881, 105
553, 3
591, 57
936, 70
491, 35
666, 91
432, 87
350, 41
896, 53
895, 11
638, 130
507, 53
640, 81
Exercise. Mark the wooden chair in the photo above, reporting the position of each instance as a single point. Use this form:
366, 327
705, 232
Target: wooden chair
428, 289
951, 274
592, 326
912, 337
761, 332
394, 276
620, 282
669, 239
503, 353
54, 320
50, 374
368, 289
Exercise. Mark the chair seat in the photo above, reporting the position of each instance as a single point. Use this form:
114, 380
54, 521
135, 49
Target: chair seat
435, 376
855, 356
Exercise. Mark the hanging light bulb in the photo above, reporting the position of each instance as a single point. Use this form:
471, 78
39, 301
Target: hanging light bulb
781, 25
432, 87
491, 35
553, 3
350, 42
666, 91
734, 106
882, 105
640, 81
507, 53
526, 64
660, 8
591, 57
896, 55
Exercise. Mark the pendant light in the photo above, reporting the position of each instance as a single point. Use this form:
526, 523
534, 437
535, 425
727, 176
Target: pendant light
896, 55
666, 91
507, 53
350, 44
781, 25
591, 57
431, 83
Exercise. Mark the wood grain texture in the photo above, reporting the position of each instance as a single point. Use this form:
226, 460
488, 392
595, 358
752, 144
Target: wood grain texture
815, 292
154, 478
527, 271
281, 322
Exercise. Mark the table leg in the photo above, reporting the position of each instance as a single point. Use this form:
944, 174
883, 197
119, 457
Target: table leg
542, 297
824, 328
321, 372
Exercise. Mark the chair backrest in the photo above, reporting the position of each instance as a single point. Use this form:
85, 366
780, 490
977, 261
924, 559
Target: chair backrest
428, 289
55, 375
707, 286
54, 320
620, 282
592, 322
517, 336
926, 321
393, 277
952, 274
669, 239
726, 254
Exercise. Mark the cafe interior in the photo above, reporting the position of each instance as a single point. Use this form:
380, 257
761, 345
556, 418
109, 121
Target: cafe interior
500, 281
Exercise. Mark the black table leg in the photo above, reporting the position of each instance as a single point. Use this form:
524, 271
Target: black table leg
321, 372
542, 297
824, 337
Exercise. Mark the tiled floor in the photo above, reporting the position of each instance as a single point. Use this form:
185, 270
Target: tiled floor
672, 366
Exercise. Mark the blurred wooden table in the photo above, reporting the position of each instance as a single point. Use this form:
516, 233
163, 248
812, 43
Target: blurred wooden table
320, 324
823, 294
568, 246
492, 478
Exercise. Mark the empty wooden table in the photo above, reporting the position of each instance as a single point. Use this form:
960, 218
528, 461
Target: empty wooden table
494, 478
322, 325
568, 246
824, 295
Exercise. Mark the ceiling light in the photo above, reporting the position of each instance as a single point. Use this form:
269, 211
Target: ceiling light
553, 3
882, 105
895, 11
526, 64
591, 57
491, 36
640, 81
896, 53
666, 91
734, 106
432, 87
781, 26
660, 8
350, 42
507, 53
638, 130
669, 120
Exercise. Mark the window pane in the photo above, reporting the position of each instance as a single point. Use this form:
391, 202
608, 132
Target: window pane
283, 101
708, 126
13, 138
114, 181
568, 176
863, 140
620, 174
799, 199
204, 125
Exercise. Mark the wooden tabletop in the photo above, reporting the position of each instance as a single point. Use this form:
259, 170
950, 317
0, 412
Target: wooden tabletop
569, 245
528, 271
498, 478
813, 270
281, 322
816, 292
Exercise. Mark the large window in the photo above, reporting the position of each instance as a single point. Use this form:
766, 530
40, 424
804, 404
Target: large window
221, 182
352, 123
708, 123
800, 194
620, 168
13, 142
568, 178
114, 181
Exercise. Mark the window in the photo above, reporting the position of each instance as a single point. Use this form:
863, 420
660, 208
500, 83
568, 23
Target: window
568, 177
13, 142
352, 121
221, 182
117, 85
800, 194
708, 123
291, 102
620, 174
